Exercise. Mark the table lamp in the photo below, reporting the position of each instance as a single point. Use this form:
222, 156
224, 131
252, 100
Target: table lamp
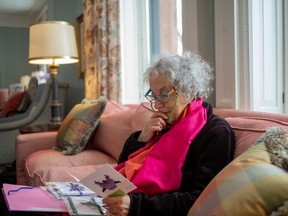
53, 43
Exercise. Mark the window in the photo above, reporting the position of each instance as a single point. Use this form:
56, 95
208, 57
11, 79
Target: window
166, 26
148, 28
266, 55
249, 45
134, 48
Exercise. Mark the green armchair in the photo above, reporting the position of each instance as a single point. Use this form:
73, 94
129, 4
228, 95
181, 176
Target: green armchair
38, 112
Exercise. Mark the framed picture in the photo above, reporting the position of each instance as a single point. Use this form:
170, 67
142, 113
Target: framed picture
80, 45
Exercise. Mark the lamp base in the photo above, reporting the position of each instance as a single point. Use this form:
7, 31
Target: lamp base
56, 119
54, 124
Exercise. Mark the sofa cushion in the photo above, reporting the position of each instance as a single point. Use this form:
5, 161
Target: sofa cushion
121, 125
78, 126
249, 185
11, 107
114, 107
142, 114
47, 165
248, 129
113, 131
19, 102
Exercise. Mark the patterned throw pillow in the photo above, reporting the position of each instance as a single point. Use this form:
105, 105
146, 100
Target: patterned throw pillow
78, 126
250, 185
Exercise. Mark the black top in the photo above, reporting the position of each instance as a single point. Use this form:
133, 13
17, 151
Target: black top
211, 150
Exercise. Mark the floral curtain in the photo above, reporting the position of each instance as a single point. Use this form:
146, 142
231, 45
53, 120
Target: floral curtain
101, 21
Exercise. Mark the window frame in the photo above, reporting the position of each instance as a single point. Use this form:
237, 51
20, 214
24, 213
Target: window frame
236, 77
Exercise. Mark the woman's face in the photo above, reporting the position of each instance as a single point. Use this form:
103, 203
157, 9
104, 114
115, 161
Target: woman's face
160, 85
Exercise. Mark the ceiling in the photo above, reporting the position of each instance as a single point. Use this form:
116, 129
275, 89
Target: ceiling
21, 13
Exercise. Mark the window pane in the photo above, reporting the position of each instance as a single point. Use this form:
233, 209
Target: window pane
148, 27
170, 19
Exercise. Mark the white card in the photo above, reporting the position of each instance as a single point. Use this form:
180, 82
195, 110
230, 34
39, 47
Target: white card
106, 181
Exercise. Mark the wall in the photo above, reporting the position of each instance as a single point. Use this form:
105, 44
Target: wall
206, 35
68, 10
14, 48
199, 32
14, 52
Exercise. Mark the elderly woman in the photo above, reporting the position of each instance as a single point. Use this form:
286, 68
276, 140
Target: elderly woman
181, 148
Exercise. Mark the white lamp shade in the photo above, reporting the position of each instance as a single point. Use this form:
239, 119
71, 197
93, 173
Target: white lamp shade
52, 42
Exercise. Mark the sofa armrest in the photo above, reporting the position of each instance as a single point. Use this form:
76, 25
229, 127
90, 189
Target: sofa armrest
26, 144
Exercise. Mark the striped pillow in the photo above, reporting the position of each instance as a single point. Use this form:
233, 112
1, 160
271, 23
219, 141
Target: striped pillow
249, 185
78, 126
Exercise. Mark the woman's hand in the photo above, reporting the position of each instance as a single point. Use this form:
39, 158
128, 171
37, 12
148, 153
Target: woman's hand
156, 123
117, 205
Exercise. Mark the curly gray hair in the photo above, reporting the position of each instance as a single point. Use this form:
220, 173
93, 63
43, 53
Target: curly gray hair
189, 71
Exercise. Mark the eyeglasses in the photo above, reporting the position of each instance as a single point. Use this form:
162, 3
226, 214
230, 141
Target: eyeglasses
162, 98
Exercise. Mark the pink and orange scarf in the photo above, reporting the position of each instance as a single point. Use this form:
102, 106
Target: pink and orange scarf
156, 167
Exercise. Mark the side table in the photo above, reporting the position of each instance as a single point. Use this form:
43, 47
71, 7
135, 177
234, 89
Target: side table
37, 128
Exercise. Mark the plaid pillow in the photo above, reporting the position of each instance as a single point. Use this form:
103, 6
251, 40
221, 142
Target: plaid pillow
78, 126
249, 185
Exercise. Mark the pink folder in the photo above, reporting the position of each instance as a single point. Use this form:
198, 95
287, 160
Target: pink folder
31, 199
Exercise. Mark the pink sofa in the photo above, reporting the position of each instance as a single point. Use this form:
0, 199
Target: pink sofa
37, 163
